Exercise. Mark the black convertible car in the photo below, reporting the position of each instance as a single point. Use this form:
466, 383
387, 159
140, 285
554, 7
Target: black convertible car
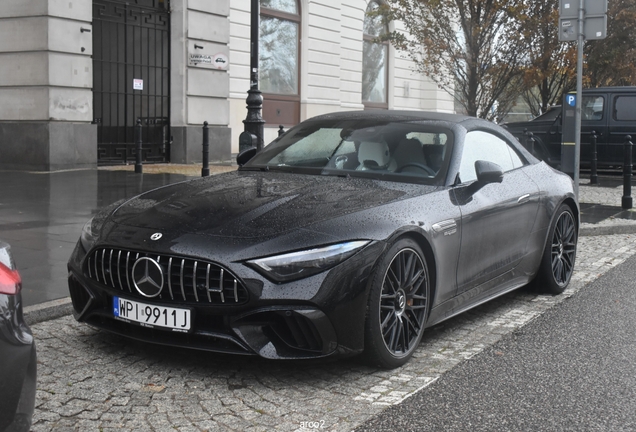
351, 233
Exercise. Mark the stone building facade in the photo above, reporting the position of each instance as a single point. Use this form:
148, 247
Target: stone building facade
76, 76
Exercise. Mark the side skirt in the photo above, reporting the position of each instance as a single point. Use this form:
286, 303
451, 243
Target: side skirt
485, 292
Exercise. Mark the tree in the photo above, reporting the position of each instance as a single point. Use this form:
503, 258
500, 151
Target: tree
612, 61
549, 69
470, 48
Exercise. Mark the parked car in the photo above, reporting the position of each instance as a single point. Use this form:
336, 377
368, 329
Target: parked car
609, 111
18, 360
349, 234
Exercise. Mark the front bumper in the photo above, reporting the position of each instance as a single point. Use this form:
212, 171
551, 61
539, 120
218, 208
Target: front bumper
319, 316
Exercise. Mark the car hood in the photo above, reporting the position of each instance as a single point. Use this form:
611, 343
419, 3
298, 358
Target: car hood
256, 204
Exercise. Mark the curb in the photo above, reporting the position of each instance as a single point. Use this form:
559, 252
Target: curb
48, 311
598, 230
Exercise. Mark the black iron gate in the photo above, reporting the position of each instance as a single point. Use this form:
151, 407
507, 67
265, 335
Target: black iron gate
131, 79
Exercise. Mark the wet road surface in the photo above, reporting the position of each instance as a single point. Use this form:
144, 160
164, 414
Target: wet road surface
42, 215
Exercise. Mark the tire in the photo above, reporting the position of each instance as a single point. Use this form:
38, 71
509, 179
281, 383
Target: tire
398, 305
557, 263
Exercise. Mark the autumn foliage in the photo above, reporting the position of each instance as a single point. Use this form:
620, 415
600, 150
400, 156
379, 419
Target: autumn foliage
491, 53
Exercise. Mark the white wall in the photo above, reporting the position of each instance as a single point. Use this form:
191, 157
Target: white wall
331, 65
199, 91
45, 66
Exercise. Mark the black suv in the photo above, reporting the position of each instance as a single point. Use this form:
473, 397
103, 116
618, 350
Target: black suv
609, 111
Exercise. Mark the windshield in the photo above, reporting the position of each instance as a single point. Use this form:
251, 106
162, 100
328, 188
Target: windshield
397, 151
550, 115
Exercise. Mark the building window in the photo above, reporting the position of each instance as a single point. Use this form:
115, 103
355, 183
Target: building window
279, 60
375, 68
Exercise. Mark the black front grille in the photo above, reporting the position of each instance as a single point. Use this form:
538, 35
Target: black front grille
185, 279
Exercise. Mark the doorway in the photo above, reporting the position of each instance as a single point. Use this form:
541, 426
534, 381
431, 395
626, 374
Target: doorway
131, 79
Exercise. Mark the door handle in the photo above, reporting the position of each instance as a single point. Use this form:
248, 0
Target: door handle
523, 199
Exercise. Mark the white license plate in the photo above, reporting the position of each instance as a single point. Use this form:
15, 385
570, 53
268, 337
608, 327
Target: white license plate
151, 315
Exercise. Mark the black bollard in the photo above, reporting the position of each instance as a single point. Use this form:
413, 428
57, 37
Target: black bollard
593, 175
139, 169
205, 169
626, 202
281, 130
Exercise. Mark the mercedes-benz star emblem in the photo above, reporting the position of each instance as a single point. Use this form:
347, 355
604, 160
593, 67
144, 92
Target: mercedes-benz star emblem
147, 276
156, 236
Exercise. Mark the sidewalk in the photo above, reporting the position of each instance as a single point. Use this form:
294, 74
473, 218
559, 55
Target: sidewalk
42, 214
601, 212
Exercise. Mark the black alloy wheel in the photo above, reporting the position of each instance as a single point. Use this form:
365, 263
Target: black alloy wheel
398, 305
559, 255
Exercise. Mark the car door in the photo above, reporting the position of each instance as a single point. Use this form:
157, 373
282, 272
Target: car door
594, 118
496, 218
622, 123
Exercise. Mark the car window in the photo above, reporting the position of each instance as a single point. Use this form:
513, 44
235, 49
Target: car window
625, 108
592, 108
316, 146
550, 115
404, 151
481, 145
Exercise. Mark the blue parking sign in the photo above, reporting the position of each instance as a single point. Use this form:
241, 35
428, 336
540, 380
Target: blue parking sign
571, 100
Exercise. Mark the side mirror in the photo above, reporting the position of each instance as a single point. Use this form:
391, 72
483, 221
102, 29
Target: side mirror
243, 157
488, 172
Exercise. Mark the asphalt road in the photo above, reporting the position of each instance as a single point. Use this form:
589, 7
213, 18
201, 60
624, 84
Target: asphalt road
571, 369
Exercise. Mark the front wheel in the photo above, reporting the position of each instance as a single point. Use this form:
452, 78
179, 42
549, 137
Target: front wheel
398, 305
557, 263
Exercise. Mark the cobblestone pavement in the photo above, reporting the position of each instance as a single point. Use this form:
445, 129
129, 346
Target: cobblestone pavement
90, 380
600, 195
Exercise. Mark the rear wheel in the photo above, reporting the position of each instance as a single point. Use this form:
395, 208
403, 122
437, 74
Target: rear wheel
398, 305
557, 264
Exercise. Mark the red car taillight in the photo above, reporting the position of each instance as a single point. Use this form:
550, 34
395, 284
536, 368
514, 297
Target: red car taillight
10, 280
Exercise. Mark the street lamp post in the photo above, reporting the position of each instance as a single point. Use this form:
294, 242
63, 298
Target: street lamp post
254, 123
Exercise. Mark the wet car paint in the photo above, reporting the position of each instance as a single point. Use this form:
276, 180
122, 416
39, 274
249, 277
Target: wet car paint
18, 359
236, 217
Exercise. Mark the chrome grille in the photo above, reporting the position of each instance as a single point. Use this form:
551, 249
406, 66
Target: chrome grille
185, 279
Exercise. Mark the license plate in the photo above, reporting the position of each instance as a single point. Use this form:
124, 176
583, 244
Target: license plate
153, 316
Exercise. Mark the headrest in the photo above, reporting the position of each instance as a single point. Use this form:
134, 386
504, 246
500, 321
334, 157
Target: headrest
374, 155
409, 150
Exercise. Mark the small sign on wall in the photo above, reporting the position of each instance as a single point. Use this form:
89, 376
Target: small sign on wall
138, 84
197, 59
220, 61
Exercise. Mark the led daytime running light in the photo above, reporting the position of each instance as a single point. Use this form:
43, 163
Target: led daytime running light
297, 265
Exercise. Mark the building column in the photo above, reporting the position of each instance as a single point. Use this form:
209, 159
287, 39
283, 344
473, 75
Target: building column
46, 78
199, 79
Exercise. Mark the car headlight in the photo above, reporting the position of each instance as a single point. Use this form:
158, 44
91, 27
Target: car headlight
297, 265
90, 231
89, 234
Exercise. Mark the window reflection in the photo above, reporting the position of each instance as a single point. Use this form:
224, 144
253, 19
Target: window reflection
278, 56
374, 59
480, 145
592, 108
374, 72
281, 5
